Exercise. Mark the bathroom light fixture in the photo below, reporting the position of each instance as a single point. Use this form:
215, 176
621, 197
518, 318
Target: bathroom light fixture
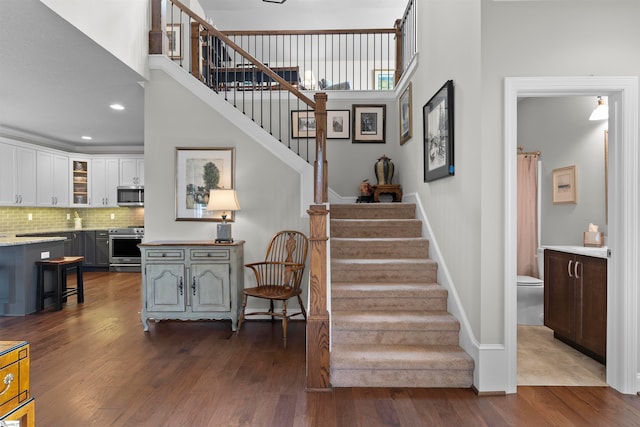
223, 200
86, 137
601, 112
116, 107
274, 1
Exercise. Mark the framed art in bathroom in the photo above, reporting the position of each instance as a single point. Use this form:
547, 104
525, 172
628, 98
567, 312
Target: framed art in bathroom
564, 185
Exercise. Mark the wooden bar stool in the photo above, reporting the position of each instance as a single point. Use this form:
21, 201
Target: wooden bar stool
60, 291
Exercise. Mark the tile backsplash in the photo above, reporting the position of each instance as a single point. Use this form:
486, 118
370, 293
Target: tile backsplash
16, 219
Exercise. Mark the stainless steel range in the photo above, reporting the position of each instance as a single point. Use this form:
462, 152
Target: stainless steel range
124, 253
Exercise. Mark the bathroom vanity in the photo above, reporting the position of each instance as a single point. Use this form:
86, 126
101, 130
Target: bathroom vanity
575, 297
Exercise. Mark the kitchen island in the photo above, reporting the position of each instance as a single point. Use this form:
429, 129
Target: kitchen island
18, 271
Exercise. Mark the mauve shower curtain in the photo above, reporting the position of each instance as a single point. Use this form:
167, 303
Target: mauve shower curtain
528, 215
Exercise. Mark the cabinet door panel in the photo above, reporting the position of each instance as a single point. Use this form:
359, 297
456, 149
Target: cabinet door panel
591, 317
559, 293
165, 287
210, 287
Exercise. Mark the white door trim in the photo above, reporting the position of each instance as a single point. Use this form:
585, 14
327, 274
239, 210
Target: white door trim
624, 216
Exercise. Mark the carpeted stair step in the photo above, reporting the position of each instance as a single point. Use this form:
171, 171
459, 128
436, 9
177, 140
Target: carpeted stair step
354, 365
395, 328
388, 296
414, 247
384, 270
373, 211
376, 228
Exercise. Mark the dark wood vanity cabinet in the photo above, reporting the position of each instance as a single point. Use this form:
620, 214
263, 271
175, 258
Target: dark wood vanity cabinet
575, 301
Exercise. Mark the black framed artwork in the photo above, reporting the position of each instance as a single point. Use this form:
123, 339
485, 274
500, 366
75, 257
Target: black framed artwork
438, 134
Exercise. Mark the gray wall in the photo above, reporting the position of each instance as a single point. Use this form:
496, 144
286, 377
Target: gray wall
560, 129
268, 190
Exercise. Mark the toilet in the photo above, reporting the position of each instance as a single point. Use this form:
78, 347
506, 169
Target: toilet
531, 296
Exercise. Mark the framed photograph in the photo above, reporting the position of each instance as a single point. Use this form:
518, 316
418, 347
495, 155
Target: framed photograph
338, 124
564, 185
438, 134
383, 79
303, 124
369, 123
406, 121
199, 170
174, 41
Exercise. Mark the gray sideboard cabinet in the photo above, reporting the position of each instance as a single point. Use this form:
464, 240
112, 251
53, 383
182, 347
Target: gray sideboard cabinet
192, 280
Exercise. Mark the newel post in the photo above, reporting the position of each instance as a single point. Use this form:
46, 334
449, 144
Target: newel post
155, 34
318, 364
398, 28
320, 164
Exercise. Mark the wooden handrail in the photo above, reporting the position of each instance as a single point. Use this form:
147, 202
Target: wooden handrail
259, 65
307, 32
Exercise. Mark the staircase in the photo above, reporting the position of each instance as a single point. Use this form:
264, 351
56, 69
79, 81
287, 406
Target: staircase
390, 325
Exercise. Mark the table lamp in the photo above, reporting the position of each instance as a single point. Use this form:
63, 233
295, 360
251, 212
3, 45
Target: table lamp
223, 200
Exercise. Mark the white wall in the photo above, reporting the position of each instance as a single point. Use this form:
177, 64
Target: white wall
560, 129
268, 190
119, 26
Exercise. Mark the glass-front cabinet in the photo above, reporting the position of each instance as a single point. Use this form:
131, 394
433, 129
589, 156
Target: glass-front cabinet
80, 182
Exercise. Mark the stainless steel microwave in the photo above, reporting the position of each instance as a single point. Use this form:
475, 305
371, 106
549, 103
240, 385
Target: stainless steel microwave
131, 196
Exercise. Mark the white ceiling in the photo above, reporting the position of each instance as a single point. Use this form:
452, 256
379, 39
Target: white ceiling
56, 84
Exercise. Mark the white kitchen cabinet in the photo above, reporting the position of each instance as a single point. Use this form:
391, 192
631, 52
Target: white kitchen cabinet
18, 176
195, 280
104, 182
52, 179
132, 171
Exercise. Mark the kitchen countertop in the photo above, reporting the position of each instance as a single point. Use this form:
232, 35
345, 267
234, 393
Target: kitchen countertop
580, 250
16, 241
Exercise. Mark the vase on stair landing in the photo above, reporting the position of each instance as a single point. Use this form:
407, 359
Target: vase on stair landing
384, 170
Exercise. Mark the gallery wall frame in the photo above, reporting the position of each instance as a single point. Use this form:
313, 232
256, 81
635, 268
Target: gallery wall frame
369, 124
173, 34
383, 79
199, 170
565, 185
303, 124
437, 119
405, 106
338, 124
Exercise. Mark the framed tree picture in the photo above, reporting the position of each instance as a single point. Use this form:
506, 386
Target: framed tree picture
369, 123
199, 170
174, 41
438, 134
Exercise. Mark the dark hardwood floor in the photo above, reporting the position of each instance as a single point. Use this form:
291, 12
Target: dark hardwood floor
92, 365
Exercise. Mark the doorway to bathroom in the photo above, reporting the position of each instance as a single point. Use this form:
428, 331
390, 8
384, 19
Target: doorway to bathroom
623, 228
555, 133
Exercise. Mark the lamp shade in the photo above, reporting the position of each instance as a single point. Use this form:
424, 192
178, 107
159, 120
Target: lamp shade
223, 200
601, 112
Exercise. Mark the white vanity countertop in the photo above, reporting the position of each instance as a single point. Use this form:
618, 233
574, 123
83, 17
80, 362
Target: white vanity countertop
581, 250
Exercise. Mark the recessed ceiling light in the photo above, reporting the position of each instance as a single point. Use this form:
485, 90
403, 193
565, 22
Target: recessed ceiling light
116, 107
86, 138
